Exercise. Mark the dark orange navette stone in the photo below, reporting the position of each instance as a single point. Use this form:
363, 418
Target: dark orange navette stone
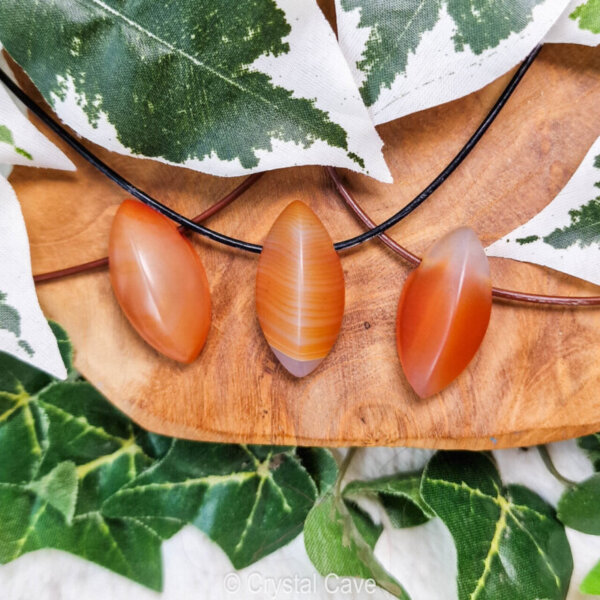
444, 311
159, 281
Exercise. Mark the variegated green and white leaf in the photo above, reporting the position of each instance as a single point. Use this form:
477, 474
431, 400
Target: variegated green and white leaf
408, 55
24, 331
509, 543
20, 142
226, 88
579, 24
566, 234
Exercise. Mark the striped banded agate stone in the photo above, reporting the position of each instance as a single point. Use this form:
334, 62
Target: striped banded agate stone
299, 290
444, 311
159, 281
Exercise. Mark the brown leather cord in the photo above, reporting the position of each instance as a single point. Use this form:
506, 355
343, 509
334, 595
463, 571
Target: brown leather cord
355, 207
103, 262
413, 259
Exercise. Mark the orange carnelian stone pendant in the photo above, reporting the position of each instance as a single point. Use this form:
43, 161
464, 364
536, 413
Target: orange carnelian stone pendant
159, 281
299, 290
444, 312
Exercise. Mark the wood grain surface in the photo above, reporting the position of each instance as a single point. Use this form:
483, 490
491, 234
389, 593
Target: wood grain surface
536, 377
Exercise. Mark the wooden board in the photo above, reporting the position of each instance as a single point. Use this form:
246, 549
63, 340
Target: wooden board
536, 377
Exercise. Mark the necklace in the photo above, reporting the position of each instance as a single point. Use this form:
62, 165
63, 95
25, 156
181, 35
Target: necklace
443, 311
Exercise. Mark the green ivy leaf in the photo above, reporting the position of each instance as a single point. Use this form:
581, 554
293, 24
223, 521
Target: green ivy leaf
508, 541
321, 466
22, 425
84, 428
590, 444
84, 479
59, 489
249, 500
339, 538
588, 15
399, 494
65, 348
29, 522
591, 582
368, 530
579, 506
69, 450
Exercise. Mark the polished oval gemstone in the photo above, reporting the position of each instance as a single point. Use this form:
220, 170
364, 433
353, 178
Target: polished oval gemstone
299, 290
159, 281
444, 311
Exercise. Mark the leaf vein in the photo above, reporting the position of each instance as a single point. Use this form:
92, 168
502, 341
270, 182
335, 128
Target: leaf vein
178, 51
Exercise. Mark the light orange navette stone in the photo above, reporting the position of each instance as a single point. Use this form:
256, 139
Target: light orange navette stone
299, 290
159, 281
444, 311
